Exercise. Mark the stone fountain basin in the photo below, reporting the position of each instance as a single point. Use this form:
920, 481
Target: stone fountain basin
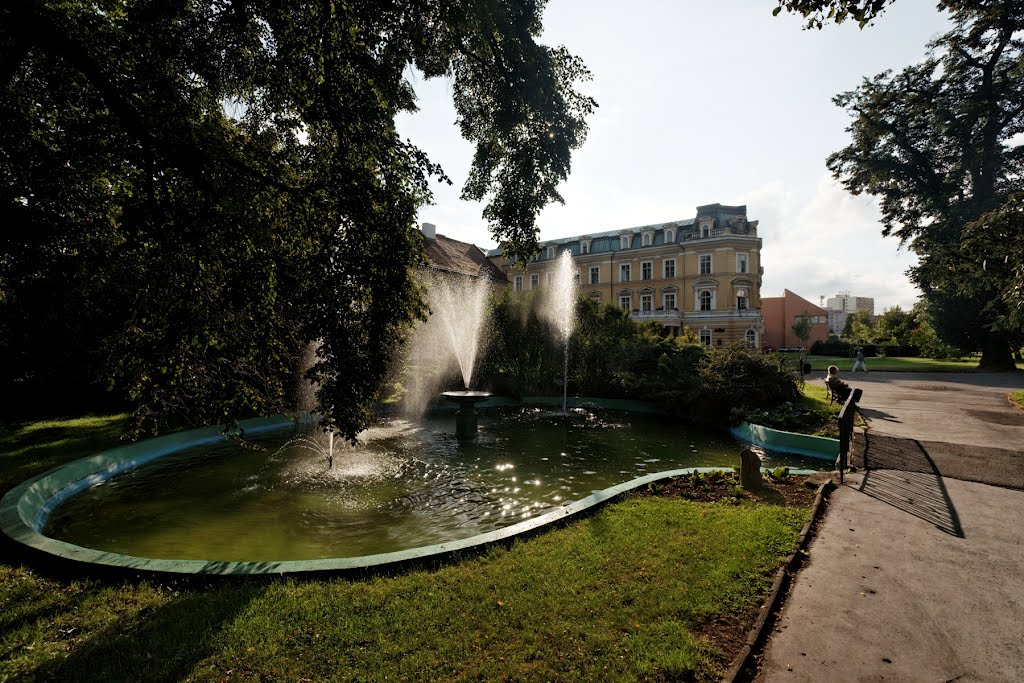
25, 508
24, 512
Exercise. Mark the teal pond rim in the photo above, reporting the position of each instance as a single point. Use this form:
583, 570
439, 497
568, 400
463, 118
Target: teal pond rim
25, 509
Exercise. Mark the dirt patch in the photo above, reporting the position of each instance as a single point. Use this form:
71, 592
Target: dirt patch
715, 487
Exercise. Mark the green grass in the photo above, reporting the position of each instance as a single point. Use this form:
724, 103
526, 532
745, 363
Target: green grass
1018, 398
845, 365
630, 593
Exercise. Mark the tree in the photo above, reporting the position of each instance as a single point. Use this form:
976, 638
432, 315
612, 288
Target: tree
819, 12
930, 142
802, 326
859, 328
193, 191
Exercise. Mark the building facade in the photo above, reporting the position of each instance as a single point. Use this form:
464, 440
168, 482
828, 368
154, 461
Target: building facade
780, 314
703, 273
845, 303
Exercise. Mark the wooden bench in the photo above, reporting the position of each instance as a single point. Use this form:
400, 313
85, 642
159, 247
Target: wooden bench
833, 397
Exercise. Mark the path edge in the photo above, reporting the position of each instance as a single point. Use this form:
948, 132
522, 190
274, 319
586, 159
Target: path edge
758, 632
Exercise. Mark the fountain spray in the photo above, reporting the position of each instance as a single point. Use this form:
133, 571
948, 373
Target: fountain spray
559, 311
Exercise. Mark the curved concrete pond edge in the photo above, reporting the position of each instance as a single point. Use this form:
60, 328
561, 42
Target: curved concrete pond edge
25, 509
819, 447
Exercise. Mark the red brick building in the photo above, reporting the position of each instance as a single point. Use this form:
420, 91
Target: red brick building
780, 314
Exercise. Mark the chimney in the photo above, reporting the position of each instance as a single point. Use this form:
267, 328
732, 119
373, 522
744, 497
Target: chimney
430, 231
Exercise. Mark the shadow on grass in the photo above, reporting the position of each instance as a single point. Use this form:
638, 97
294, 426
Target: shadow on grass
160, 644
27, 449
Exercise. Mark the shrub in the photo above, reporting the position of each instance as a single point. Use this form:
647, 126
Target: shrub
736, 380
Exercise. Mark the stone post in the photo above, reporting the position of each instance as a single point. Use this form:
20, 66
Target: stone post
750, 469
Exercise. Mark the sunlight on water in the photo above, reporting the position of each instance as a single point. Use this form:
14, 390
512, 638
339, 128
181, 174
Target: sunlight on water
405, 485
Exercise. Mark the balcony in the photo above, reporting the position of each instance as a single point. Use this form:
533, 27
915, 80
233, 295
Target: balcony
670, 314
726, 231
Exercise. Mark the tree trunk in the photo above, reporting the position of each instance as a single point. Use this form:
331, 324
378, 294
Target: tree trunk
995, 354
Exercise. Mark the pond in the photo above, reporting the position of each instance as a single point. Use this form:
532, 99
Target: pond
407, 485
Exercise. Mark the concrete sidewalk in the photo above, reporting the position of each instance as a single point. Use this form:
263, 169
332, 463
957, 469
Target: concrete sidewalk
915, 575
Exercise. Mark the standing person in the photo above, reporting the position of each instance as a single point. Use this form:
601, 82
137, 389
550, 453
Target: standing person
838, 387
859, 363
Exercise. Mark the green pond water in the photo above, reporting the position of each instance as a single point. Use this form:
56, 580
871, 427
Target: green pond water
407, 485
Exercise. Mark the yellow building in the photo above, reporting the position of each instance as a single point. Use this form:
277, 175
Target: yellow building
703, 272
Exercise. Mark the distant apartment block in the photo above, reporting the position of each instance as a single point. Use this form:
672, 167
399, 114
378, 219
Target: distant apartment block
845, 303
702, 272
780, 313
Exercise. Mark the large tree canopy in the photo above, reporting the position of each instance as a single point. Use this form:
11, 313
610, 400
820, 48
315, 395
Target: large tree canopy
931, 142
193, 190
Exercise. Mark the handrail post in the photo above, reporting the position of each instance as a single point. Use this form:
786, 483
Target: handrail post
846, 414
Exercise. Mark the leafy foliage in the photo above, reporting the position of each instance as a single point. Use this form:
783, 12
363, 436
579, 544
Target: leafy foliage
802, 326
931, 143
820, 12
192, 192
736, 380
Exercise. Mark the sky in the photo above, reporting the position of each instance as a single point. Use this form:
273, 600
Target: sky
710, 101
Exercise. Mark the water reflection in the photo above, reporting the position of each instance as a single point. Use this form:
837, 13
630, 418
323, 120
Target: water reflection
406, 485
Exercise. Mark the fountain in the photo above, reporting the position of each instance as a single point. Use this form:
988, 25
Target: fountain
559, 310
447, 346
198, 502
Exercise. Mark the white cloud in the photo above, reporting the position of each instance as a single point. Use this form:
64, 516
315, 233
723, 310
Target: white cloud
833, 243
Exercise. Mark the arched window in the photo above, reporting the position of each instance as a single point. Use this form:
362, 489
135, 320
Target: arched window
670, 235
584, 247
741, 299
705, 299
751, 339
645, 239
624, 242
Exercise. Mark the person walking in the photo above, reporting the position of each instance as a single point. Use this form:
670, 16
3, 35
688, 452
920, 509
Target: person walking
859, 363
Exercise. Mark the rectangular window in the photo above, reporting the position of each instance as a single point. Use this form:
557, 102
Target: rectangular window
624, 272
595, 275
670, 300
519, 283
646, 303
625, 301
705, 337
670, 268
705, 264
647, 270
534, 280
741, 263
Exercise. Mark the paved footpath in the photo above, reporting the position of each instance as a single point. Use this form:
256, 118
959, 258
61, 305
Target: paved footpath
915, 575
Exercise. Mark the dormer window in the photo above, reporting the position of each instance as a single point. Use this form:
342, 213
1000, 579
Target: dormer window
624, 242
584, 247
645, 239
705, 229
670, 235
551, 252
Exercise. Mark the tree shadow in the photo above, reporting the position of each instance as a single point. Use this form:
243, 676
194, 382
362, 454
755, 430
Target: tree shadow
162, 644
900, 473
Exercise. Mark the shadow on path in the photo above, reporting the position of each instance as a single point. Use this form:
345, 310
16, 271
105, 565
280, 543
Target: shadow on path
900, 472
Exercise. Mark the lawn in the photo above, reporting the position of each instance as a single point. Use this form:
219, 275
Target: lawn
1017, 397
845, 365
652, 587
